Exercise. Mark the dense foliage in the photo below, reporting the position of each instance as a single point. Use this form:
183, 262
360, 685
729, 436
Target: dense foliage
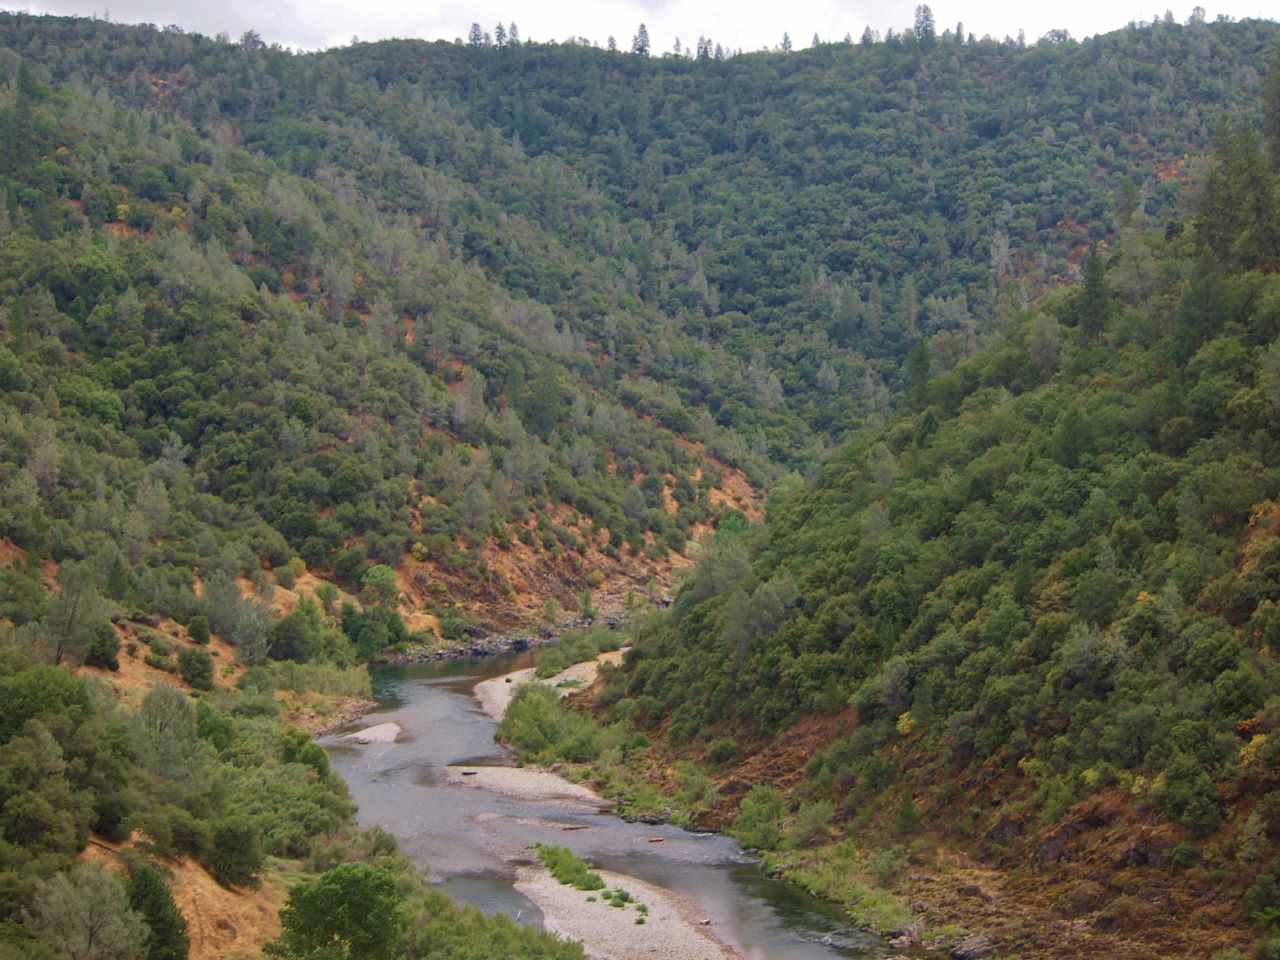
212, 780
831, 207
212, 365
264, 315
378, 907
1063, 565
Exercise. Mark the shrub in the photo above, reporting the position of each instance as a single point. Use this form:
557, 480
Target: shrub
759, 823
198, 629
160, 663
567, 868
104, 647
721, 751
884, 865
1189, 796
1262, 901
577, 646
236, 856
196, 667
286, 577
812, 824
695, 787
297, 747
536, 724
907, 817
1183, 855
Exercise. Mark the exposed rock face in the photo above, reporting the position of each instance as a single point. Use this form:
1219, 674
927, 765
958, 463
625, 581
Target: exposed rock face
973, 948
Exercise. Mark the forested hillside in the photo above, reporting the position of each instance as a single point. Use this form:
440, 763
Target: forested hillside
309, 358
1035, 616
500, 316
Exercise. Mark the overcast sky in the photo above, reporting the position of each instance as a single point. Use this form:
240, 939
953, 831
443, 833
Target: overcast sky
733, 23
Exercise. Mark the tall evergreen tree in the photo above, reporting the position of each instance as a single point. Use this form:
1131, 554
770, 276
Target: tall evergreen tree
640, 43
925, 28
918, 373
1093, 298
149, 897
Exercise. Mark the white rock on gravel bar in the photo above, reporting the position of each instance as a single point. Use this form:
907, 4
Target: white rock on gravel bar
379, 733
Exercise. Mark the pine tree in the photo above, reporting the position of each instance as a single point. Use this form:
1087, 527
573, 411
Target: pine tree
499, 36
149, 896
925, 29
475, 37
786, 43
1093, 298
918, 373
640, 43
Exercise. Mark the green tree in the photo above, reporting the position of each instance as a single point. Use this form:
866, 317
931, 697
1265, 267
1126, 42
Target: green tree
150, 898
378, 586
85, 915
918, 374
327, 594
640, 43
196, 667
925, 29
37, 692
165, 738
198, 629
104, 647
297, 747
69, 626
1092, 305
759, 822
236, 857
352, 912
1072, 438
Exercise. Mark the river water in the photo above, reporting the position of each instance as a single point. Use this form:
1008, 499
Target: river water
466, 838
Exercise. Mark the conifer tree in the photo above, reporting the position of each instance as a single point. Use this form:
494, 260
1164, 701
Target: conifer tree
640, 43
1093, 299
149, 897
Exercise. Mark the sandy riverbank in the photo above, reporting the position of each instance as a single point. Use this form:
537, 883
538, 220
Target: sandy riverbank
496, 693
524, 783
671, 931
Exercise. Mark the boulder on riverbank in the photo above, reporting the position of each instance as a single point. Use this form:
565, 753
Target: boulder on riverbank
378, 733
525, 783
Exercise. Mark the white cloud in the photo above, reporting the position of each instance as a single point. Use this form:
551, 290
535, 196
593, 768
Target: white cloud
737, 24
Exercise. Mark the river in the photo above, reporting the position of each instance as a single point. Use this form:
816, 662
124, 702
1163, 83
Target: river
466, 839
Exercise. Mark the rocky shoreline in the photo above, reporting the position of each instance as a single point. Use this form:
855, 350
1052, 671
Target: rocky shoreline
492, 645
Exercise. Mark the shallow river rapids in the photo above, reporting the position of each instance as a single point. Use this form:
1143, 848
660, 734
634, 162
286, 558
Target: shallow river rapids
467, 839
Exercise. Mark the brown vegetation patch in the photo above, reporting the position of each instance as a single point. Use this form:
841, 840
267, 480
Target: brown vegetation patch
135, 676
1263, 529
10, 552
221, 922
